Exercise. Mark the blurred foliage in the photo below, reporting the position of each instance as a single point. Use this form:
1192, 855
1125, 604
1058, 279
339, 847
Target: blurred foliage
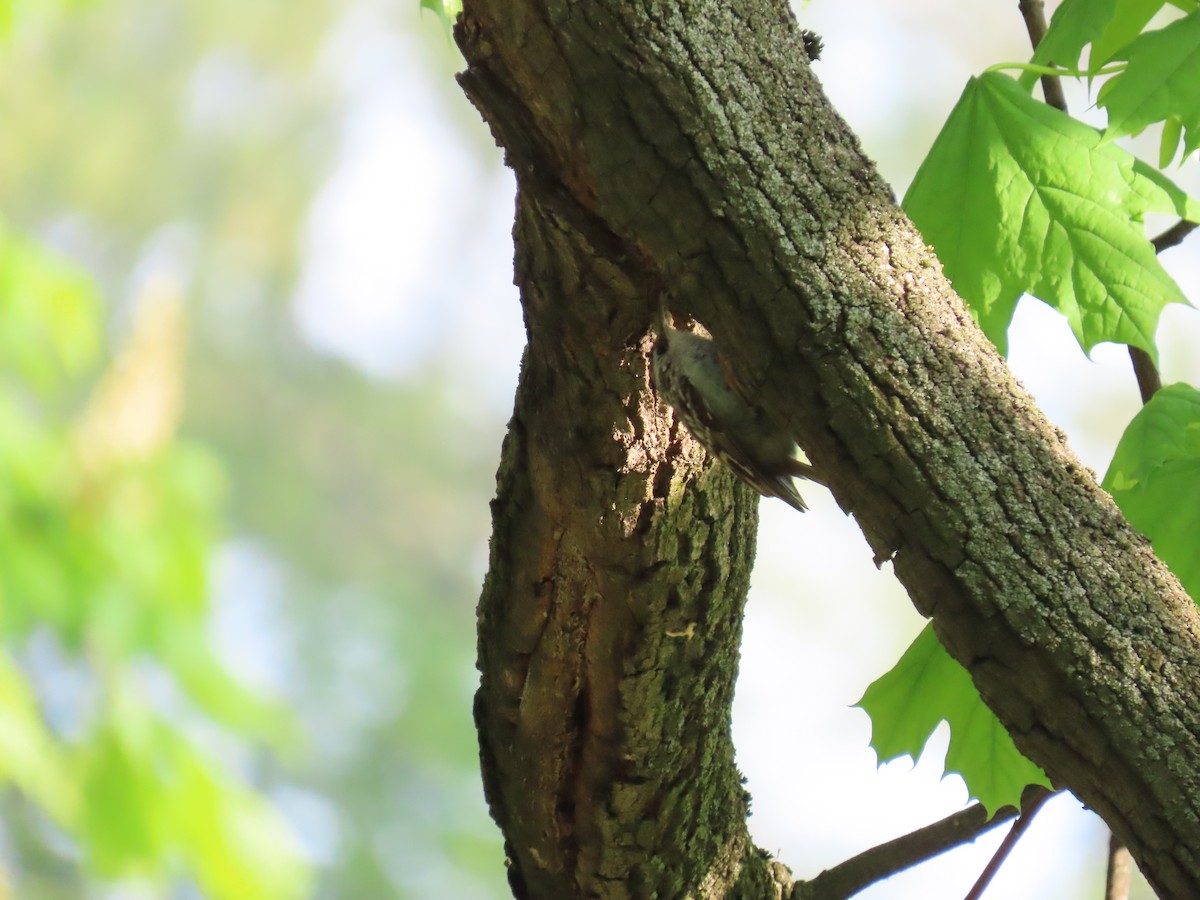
189, 137
105, 526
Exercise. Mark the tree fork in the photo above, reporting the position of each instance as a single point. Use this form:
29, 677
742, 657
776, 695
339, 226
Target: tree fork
688, 146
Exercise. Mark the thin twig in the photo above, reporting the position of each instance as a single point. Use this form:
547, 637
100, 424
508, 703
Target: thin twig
1120, 869
1034, 13
1149, 381
1148, 378
849, 877
1173, 235
1035, 797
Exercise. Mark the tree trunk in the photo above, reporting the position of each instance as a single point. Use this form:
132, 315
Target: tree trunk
686, 149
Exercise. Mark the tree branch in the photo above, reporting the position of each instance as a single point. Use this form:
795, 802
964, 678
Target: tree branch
1145, 371
687, 146
1174, 235
1120, 870
1034, 13
1035, 798
870, 866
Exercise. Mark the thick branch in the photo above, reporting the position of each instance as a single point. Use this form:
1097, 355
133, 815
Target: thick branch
690, 145
610, 621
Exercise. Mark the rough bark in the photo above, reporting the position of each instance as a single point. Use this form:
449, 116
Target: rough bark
688, 147
611, 615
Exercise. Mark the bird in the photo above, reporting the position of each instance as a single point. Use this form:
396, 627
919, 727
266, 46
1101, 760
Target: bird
692, 377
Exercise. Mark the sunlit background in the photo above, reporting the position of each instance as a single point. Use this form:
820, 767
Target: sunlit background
305, 181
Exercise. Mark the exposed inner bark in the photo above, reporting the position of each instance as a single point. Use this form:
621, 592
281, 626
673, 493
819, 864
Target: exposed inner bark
611, 616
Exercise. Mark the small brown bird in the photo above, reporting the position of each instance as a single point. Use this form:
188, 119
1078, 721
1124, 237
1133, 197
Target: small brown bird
689, 374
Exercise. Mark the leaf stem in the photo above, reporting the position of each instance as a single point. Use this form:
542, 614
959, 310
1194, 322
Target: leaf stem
1055, 70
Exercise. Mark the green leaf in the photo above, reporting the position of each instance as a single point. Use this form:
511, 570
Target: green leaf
109, 554
1108, 25
1169, 142
1162, 81
446, 10
22, 13
30, 757
50, 313
1075, 23
123, 813
1017, 197
238, 846
1128, 19
927, 687
1155, 479
200, 673
151, 799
